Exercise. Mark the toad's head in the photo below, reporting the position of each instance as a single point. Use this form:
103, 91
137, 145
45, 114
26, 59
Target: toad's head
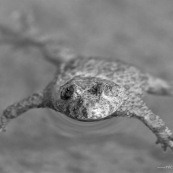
88, 98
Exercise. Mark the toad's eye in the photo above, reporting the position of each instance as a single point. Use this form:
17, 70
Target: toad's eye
95, 90
67, 93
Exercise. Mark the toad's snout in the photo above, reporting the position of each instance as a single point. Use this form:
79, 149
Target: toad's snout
90, 109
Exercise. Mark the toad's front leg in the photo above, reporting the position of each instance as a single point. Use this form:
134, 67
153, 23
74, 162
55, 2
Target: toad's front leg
34, 101
136, 108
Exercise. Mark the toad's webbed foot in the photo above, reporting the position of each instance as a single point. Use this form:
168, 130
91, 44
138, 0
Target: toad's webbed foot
16, 109
139, 110
158, 86
26, 37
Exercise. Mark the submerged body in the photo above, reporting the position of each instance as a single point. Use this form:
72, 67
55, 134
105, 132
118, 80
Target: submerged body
90, 89
101, 86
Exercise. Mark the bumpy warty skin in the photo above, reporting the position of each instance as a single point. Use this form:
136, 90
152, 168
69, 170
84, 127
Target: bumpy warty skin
89, 88
99, 87
94, 89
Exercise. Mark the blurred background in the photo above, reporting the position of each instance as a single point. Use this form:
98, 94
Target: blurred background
42, 141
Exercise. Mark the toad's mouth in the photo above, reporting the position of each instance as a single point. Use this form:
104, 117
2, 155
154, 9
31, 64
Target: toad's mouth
88, 111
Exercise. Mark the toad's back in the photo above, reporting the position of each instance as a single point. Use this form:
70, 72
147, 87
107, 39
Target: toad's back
115, 70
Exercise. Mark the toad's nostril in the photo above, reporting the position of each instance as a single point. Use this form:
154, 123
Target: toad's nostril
75, 112
84, 112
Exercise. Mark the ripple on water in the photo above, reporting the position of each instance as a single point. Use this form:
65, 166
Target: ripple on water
71, 128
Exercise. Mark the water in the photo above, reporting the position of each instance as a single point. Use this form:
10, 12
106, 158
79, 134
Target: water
71, 128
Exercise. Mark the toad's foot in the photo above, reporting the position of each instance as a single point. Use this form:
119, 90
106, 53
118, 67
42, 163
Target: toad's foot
13, 111
158, 86
139, 110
